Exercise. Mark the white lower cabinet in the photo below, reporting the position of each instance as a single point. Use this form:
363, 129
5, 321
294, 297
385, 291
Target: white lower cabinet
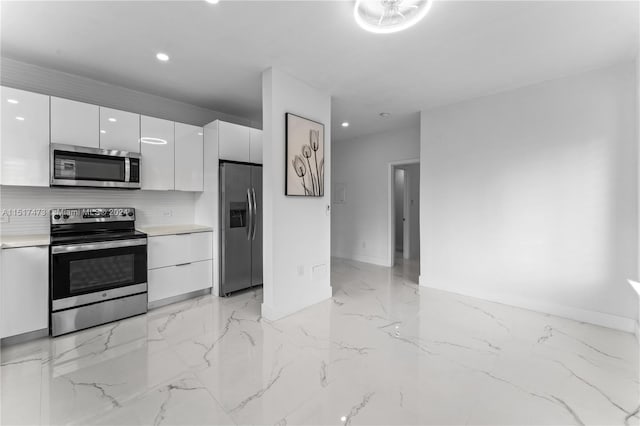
173, 281
24, 290
179, 264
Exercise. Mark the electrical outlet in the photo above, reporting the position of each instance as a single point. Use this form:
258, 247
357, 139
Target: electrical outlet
167, 213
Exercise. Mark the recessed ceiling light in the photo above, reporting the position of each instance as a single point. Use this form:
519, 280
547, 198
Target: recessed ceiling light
20, 118
345, 124
199, 133
213, 1
343, 418
389, 16
385, 114
12, 101
113, 120
153, 141
162, 56
103, 131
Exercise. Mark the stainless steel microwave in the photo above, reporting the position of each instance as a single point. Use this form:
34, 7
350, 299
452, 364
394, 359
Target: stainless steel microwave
103, 168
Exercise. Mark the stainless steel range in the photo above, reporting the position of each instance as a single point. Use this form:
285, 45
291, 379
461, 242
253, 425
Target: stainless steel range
98, 268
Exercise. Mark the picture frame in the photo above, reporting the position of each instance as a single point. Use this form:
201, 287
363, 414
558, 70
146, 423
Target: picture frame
305, 155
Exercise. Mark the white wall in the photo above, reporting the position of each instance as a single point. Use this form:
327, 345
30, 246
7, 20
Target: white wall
529, 197
297, 243
152, 207
413, 176
359, 228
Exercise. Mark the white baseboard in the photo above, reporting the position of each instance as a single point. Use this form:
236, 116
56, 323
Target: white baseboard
273, 313
592, 317
363, 258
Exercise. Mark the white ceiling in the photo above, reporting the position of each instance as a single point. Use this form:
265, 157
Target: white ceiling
462, 49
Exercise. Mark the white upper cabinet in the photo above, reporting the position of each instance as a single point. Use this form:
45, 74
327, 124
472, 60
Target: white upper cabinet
234, 142
74, 123
255, 149
24, 138
189, 159
119, 130
157, 150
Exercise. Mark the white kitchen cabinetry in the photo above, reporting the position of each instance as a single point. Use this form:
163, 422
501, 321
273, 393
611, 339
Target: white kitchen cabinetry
119, 130
179, 264
157, 149
234, 142
188, 157
24, 290
255, 149
24, 138
74, 123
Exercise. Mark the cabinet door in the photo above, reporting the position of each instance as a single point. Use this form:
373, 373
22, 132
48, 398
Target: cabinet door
74, 123
24, 290
157, 150
24, 138
119, 130
256, 146
189, 157
234, 142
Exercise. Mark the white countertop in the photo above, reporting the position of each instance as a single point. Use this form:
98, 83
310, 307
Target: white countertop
156, 231
16, 241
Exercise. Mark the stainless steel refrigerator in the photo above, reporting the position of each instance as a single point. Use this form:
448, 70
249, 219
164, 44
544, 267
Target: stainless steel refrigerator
241, 225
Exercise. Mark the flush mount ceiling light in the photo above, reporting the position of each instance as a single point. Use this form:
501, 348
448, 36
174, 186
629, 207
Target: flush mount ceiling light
153, 141
113, 120
12, 101
162, 57
389, 16
345, 124
20, 118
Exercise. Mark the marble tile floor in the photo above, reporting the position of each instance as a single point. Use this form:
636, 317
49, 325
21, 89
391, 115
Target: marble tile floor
380, 352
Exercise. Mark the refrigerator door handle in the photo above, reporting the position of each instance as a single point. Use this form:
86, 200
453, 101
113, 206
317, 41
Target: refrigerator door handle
255, 214
250, 224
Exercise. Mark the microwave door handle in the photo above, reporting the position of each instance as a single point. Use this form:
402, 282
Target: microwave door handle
250, 225
127, 169
255, 214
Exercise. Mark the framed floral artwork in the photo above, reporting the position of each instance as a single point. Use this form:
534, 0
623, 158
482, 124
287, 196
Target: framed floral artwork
304, 174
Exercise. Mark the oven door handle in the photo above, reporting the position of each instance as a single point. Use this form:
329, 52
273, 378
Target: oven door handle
74, 248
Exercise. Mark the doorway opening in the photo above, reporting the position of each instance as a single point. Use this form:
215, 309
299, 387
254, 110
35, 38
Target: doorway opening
404, 217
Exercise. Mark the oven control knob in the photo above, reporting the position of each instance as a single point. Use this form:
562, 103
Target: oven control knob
130, 213
65, 216
56, 217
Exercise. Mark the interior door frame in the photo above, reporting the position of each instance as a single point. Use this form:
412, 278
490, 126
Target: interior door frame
391, 231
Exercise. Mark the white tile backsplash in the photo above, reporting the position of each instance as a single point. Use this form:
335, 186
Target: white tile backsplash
152, 207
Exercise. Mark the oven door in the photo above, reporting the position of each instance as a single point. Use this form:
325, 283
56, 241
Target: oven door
87, 273
81, 166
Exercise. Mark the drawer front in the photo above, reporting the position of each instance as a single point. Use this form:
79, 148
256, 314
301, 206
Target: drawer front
168, 250
201, 275
176, 280
201, 246
162, 283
